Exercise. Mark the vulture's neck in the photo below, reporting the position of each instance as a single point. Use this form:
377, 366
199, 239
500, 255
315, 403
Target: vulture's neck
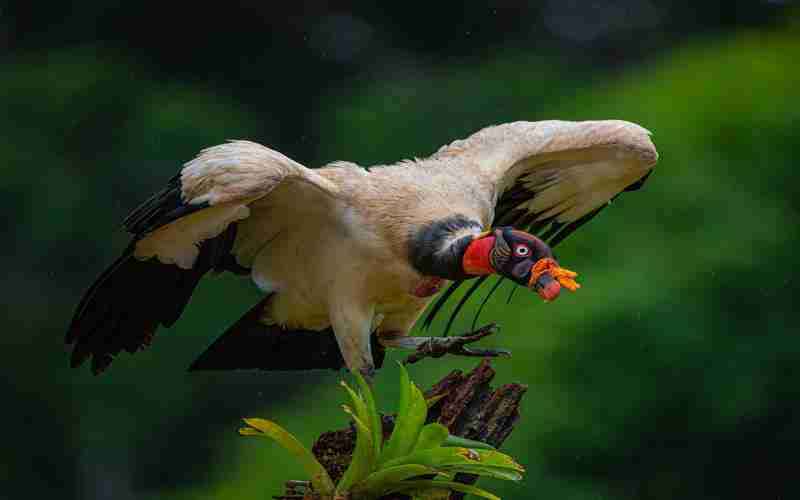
438, 249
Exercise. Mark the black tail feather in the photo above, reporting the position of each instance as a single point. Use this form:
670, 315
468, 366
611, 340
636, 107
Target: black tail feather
251, 345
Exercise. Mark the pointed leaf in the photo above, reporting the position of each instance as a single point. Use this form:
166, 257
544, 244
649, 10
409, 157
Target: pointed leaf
467, 443
408, 424
319, 477
431, 436
455, 459
359, 405
485, 471
376, 425
363, 460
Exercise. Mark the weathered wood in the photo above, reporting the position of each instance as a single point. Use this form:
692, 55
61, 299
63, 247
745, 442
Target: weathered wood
472, 409
469, 407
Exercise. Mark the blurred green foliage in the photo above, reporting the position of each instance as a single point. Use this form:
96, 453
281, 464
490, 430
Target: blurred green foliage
671, 374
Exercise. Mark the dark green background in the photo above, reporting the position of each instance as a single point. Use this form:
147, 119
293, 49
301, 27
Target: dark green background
673, 372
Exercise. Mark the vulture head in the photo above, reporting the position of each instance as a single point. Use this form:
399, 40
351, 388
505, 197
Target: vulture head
520, 257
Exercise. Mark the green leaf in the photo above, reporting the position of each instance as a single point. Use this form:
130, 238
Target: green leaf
485, 471
425, 485
376, 425
431, 436
455, 459
363, 460
359, 405
466, 443
319, 477
408, 424
376, 484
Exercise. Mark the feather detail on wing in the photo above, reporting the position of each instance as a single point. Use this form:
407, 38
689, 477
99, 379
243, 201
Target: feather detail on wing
552, 177
179, 235
216, 189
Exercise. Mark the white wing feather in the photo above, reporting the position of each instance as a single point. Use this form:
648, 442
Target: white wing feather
228, 178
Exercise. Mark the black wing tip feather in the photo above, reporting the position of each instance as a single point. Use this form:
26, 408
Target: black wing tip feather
163, 201
440, 302
129, 301
485, 300
160, 209
121, 311
461, 303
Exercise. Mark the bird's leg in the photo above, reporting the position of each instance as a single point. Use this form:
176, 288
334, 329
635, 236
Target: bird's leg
352, 325
436, 347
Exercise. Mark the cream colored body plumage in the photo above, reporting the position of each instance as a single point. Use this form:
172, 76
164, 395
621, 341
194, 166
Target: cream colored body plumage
335, 246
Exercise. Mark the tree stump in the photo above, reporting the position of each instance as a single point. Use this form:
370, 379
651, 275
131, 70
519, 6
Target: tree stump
469, 407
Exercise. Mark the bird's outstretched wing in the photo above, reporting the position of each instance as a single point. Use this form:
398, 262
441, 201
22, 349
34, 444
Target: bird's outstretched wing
180, 234
550, 177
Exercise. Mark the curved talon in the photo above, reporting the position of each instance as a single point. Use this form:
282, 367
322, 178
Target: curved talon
480, 333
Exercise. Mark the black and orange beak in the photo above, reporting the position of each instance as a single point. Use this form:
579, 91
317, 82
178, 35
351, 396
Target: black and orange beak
547, 278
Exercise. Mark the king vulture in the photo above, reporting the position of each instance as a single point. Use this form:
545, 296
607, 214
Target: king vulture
348, 258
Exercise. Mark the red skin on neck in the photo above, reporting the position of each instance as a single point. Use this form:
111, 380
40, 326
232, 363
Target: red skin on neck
474, 262
476, 259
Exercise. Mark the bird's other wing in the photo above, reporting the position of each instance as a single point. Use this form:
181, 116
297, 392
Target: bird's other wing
551, 177
181, 233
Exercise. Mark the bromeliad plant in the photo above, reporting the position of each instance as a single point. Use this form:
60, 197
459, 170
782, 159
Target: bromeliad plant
413, 452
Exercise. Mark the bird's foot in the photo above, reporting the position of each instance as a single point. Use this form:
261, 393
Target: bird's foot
436, 347
368, 372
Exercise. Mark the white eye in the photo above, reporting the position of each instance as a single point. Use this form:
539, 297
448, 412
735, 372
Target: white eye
522, 251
